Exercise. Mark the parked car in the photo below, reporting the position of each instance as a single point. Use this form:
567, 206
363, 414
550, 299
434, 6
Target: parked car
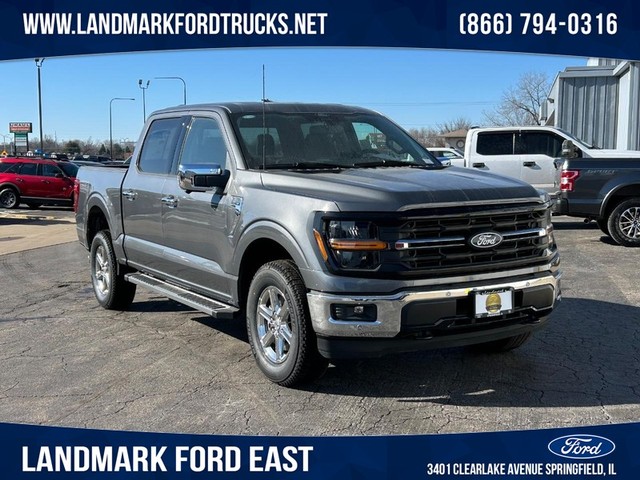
532, 154
448, 156
329, 247
36, 181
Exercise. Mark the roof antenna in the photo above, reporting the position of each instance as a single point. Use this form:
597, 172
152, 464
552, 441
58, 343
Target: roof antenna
265, 100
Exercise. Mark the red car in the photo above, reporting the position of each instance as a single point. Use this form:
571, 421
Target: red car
35, 181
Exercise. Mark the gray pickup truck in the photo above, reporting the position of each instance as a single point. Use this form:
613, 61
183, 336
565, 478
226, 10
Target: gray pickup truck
606, 190
327, 227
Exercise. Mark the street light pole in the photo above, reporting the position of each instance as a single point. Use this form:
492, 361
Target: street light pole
184, 86
144, 98
4, 137
39, 62
111, 123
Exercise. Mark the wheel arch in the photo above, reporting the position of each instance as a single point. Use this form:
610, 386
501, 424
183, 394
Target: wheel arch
11, 185
262, 243
617, 195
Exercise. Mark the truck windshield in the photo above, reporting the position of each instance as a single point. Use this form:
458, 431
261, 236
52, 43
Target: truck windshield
303, 140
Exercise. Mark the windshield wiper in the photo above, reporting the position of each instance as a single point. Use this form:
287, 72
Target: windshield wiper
390, 163
305, 166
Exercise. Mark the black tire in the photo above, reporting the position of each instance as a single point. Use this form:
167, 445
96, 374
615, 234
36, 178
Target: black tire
34, 206
602, 225
9, 198
110, 288
624, 223
502, 345
283, 344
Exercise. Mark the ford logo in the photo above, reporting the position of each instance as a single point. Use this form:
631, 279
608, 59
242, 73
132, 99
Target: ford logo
486, 240
581, 447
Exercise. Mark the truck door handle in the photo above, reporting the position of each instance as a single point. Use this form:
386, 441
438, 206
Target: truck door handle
170, 201
529, 164
129, 195
478, 165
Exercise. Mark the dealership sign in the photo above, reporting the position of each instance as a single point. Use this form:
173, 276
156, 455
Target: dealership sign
20, 127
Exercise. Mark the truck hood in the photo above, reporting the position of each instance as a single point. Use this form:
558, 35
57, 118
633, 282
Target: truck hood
605, 153
397, 189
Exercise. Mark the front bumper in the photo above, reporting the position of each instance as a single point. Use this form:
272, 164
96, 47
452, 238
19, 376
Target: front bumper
429, 318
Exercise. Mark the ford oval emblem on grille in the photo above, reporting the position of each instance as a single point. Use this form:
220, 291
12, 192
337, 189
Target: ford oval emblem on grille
486, 240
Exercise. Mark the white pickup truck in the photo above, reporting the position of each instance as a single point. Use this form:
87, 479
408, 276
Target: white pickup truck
532, 154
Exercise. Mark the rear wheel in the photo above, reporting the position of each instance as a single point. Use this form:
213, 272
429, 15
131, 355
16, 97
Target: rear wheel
9, 198
624, 223
502, 345
279, 326
112, 291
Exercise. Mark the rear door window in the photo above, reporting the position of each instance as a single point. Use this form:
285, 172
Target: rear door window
498, 143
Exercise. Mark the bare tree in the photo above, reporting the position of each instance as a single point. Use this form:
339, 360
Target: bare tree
427, 137
432, 137
520, 104
459, 123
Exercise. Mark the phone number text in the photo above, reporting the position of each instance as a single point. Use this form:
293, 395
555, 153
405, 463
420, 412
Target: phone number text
538, 24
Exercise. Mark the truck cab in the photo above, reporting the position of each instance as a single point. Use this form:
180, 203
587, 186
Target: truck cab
527, 153
532, 154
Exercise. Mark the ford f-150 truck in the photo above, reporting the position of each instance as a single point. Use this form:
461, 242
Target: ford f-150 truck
604, 190
327, 228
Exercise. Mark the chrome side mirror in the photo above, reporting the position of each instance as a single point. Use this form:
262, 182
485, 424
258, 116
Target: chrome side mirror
201, 177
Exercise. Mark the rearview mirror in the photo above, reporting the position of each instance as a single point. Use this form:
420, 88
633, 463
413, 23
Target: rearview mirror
569, 150
201, 177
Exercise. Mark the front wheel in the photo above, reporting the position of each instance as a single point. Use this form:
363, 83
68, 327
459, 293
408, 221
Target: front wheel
279, 327
624, 223
112, 291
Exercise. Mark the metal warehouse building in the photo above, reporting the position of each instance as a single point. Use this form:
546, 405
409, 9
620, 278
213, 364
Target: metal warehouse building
598, 103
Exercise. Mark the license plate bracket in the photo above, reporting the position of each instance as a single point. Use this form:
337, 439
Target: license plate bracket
491, 303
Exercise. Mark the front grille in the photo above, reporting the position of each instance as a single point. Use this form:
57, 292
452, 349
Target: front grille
434, 245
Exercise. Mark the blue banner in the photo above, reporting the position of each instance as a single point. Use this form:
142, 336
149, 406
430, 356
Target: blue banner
53, 452
596, 28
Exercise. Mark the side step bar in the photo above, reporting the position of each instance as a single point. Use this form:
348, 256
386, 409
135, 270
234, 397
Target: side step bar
194, 300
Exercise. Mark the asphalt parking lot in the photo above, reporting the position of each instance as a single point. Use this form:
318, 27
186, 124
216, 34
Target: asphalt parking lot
164, 367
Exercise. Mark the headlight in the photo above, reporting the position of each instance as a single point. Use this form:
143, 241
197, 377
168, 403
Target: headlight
352, 244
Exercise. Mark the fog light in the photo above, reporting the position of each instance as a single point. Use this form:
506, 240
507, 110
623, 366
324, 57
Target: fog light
354, 313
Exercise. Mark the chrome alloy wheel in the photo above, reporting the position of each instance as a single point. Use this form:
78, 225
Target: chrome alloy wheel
274, 325
629, 222
102, 271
